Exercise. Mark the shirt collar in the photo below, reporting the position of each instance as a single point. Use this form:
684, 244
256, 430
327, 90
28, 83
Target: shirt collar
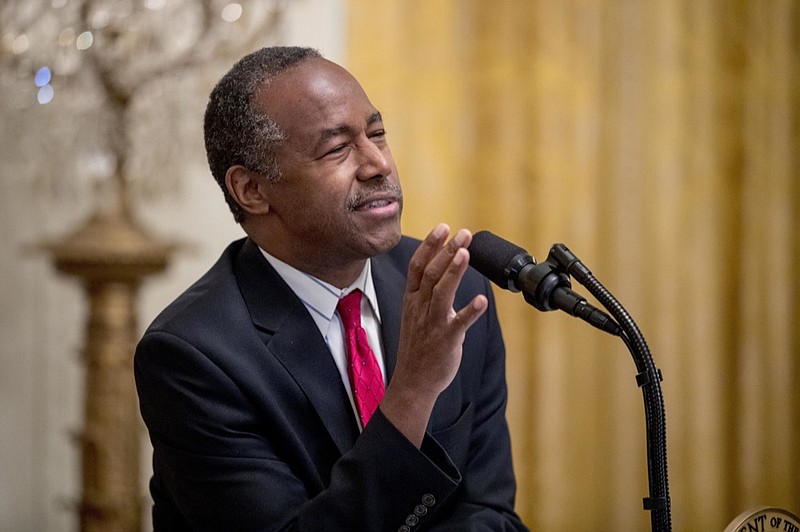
319, 296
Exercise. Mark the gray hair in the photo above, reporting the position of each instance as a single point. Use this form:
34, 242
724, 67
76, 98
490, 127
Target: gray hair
235, 132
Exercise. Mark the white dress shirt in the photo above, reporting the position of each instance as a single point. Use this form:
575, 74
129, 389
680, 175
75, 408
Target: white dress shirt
321, 298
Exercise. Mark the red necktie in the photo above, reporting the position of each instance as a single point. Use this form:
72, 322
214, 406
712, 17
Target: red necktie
365, 374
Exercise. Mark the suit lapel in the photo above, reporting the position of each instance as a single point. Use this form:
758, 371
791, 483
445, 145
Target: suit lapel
390, 286
293, 338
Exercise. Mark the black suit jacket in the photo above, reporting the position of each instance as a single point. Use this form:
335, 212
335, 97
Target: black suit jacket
252, 428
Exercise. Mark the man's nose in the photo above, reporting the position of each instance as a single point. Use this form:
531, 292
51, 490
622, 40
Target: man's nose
375, 160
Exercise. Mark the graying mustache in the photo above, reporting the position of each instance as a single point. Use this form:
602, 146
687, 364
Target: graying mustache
360, 197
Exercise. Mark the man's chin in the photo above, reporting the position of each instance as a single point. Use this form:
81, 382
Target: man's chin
380, 244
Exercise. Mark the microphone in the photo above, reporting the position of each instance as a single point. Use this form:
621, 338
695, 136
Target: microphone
542, 285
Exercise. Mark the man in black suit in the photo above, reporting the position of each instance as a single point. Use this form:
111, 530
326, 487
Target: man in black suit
244, 382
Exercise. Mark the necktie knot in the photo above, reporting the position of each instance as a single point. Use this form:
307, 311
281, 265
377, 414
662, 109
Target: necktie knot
366, 380
349, 308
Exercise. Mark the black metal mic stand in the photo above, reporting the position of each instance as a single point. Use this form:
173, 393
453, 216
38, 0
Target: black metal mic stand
648, 378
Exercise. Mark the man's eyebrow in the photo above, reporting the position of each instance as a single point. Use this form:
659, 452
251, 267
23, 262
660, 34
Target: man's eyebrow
329, 133
332, 132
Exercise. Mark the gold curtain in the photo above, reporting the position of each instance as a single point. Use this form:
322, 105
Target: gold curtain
658, 140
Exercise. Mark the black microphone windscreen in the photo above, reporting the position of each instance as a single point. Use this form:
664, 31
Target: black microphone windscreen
492, 255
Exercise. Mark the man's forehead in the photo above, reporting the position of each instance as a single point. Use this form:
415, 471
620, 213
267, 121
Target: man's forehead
318, 98
311, 79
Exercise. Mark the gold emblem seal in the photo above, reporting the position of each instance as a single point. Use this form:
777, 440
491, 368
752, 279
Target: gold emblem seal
765, 520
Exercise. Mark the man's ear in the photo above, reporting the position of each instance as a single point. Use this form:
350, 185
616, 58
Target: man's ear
247, 188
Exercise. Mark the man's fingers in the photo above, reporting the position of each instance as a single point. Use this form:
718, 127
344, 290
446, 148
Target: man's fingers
468, 315
435, 273
424, 254
438, 267
443, 293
